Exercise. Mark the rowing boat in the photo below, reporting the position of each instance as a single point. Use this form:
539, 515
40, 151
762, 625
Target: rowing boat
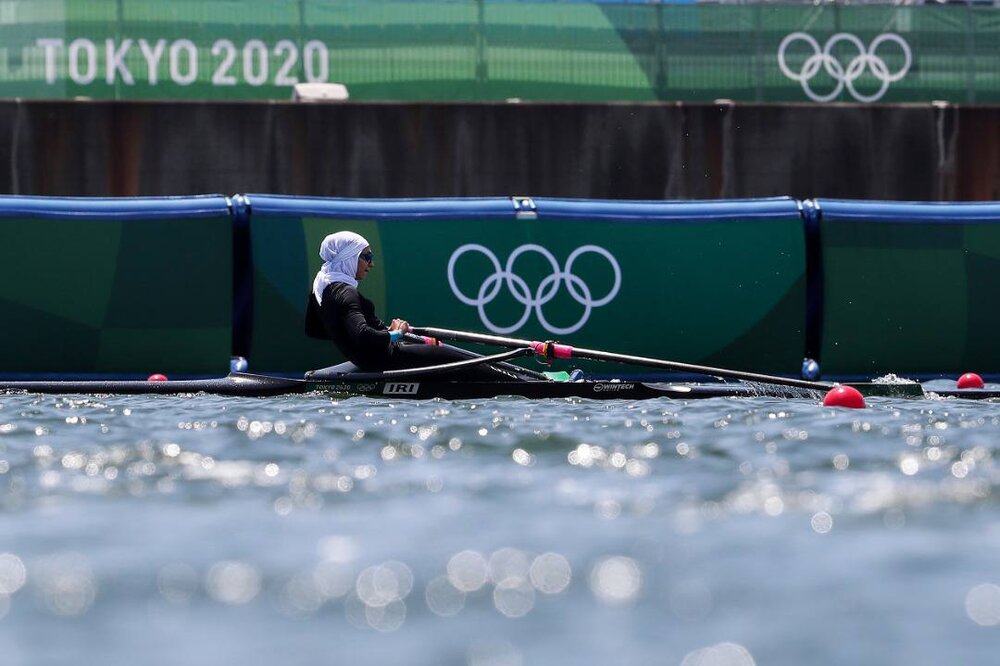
253, 385
440, 381
427, 387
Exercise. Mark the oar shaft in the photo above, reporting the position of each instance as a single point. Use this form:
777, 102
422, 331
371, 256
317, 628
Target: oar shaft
430, 339
565, 351
445, 368
463, 336
677, 366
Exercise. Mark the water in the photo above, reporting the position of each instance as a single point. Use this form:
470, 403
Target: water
302, 530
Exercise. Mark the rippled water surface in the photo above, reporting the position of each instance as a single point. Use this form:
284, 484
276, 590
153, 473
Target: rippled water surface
303, 530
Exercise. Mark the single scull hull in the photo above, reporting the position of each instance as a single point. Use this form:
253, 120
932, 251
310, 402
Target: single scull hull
251, 385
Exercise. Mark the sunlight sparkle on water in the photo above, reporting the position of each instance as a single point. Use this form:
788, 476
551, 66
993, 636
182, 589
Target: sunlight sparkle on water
467, 570
300, 595
67, 584
514, 598
431, 519
821, 522
233, 582
550, 573
722, 654
12, 574
909, 465
616, 580
333, 579
385, 619
381, 585
774, 506
508, 565
982, 604
443, 598
523, 458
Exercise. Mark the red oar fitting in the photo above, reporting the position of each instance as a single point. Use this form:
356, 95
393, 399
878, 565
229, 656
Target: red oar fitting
551, 350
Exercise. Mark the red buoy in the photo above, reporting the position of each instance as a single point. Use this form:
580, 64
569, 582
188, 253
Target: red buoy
844, 396
157, 377
970, 380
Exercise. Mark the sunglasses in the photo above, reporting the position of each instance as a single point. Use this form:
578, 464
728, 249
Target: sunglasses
368, 256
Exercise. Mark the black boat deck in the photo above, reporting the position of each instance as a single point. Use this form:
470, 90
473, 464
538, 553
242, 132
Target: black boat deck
253, 385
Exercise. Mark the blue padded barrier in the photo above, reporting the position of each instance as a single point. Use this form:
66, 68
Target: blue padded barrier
659, 211
144, 208
380, 209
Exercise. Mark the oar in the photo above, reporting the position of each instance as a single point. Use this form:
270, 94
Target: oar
557, 350
430, 340
445, 368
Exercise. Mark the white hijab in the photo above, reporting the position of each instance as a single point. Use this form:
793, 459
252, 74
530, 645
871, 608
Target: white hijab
339, 252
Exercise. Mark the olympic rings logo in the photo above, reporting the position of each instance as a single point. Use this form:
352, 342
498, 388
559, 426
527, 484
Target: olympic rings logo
866, 59
543, 294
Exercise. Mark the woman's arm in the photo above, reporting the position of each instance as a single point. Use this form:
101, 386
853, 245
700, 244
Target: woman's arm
366, 335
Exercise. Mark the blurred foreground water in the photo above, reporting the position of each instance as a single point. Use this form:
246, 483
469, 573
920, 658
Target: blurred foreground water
304, 530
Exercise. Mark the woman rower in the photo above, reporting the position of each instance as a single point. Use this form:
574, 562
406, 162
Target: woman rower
337, 311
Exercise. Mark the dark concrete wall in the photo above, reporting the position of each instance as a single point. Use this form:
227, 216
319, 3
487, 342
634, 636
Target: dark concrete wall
618, 151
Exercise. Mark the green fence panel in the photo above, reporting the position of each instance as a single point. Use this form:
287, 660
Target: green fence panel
708, 282
495, 50
115, 286
717, 283
909, 288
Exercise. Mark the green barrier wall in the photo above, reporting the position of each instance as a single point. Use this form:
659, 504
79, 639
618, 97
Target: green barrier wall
712, 282
909, 288
486, 50
115, 286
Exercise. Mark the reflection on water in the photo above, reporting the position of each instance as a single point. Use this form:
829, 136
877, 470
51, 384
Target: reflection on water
497, 532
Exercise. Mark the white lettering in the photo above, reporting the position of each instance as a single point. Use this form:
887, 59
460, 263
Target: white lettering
282, 78
613, 387
400, 388
222, 77
87, 47
152, 56
49, 46
116, 62
258, 77
313, 53
188, 47
82, 60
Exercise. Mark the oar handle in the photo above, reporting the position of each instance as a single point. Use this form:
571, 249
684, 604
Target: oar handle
420, 339
465, 336
558, 350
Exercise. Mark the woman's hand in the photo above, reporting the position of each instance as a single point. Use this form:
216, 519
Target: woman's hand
400, 325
